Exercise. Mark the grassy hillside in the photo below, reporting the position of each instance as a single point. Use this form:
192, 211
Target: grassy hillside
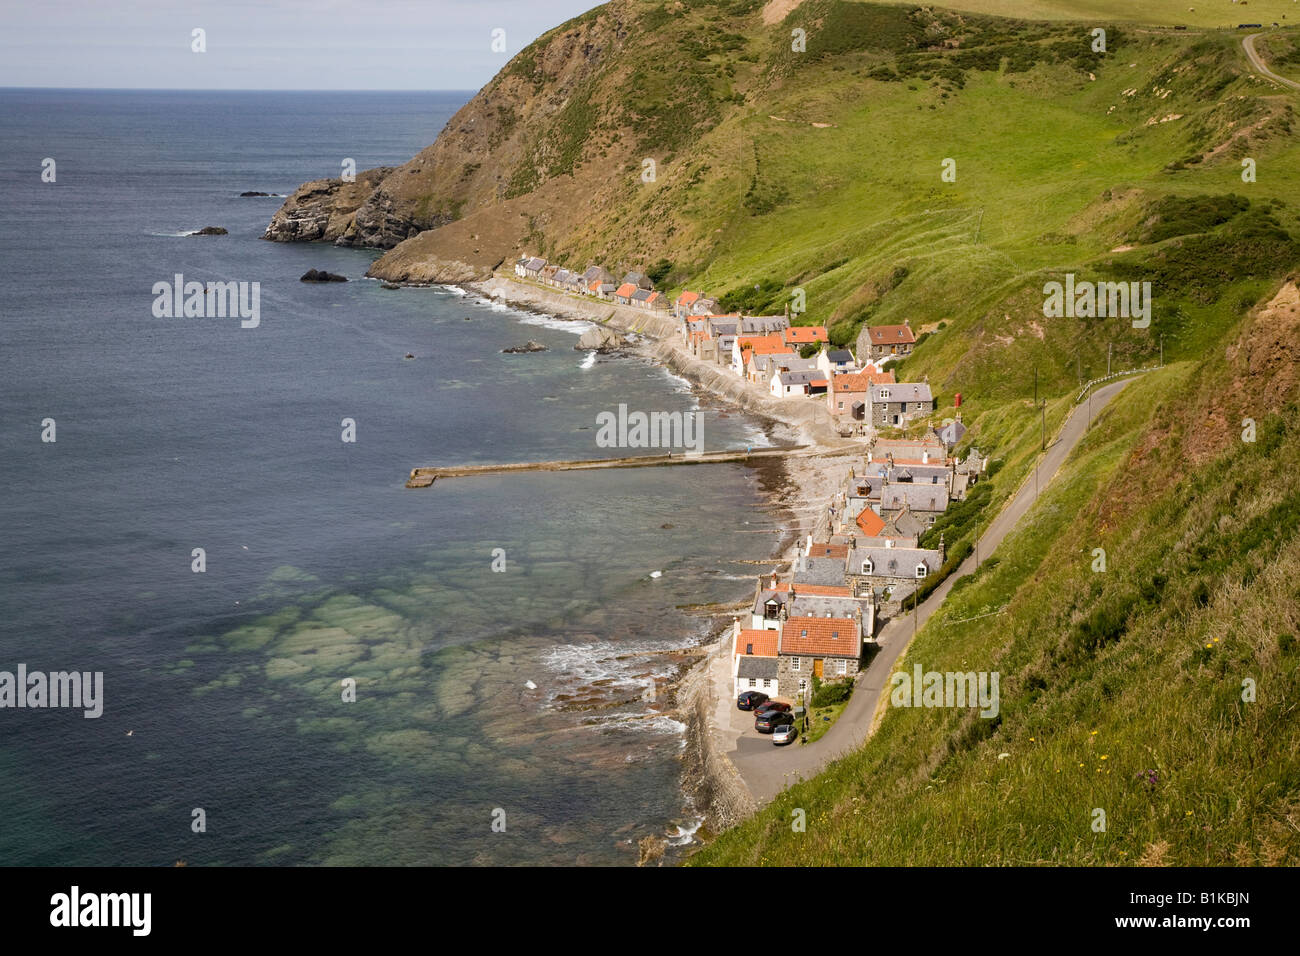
821, 170
778, 169
1122, 689
1216, 13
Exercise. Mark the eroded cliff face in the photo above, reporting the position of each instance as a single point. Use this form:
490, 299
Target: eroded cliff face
322, 210
534, 122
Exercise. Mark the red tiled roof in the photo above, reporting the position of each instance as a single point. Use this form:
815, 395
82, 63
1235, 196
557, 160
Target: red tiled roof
687, 298
764, 344
806, 334
820, 636
861, 381
823, 590
764, 642
891, 334
870, 523
626, 289
821, 549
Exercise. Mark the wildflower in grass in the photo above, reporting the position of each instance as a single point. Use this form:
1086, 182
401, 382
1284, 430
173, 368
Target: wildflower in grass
1104, 756
1189, 813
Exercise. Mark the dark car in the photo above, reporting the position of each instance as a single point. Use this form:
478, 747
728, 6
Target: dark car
750, 699
770, 706
766, 723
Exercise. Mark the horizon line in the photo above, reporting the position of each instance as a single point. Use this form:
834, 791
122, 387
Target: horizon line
228, 89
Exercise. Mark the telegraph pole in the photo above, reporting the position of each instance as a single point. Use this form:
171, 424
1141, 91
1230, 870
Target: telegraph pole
1043, 444
1109, 348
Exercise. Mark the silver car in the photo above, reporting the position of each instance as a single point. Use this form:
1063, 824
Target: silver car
784, 734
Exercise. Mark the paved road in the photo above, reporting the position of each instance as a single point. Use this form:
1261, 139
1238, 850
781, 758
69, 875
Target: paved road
766, 769
1248, 44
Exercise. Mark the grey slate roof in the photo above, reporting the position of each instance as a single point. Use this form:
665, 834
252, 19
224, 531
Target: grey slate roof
818, 605
951, 433
799, 378
894, 562
928, 498
756, 667
839, 356
763, 324
814, 570
760, 602
902, 392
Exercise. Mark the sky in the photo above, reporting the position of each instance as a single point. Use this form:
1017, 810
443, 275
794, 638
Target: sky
268, 44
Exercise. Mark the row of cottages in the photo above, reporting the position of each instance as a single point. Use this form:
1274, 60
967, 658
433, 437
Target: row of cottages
814, 376
635, 289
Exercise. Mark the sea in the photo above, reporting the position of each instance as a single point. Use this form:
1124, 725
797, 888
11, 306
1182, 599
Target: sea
305, 662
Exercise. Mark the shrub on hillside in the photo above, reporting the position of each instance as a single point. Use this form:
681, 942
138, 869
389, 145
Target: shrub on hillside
833, 693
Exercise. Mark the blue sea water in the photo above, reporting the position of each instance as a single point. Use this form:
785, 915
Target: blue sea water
223, 689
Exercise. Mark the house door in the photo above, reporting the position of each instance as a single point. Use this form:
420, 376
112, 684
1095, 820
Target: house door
818, 664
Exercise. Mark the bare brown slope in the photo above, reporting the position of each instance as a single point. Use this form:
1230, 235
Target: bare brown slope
493, 148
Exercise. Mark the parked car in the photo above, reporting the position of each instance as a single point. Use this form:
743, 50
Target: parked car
771, 705
750, 699
766, 723
785, 734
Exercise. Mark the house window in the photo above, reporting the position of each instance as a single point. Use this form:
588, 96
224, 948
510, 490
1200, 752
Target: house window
766, 683
842, 668
884, 394
920, 571
868, 567
752, 683
794, 664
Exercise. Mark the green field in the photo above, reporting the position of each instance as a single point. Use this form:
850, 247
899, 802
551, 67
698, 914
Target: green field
1191, 13
820, 171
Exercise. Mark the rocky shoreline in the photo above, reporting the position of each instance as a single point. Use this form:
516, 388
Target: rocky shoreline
709, 779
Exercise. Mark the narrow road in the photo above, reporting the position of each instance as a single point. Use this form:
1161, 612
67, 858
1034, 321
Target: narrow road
767, 770
1248, 44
